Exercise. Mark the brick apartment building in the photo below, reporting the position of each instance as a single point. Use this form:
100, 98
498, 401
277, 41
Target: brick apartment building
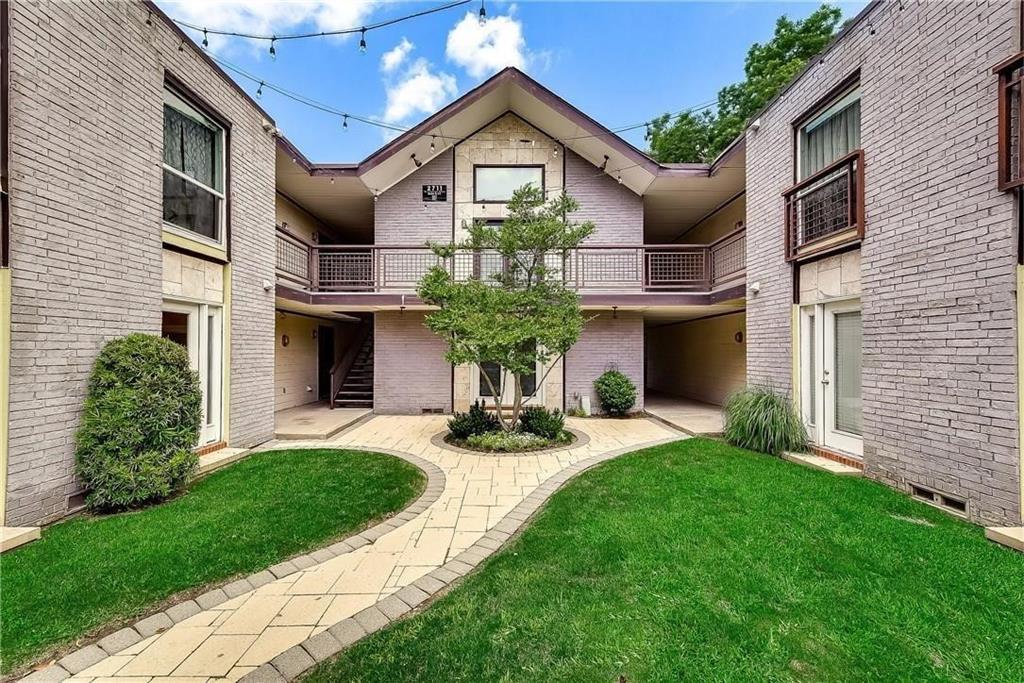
868, 222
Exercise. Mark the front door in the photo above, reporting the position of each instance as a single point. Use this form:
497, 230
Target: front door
504, 385
199, 328
830, 353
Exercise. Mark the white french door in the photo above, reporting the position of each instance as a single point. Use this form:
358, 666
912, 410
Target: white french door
199, 328
830, 374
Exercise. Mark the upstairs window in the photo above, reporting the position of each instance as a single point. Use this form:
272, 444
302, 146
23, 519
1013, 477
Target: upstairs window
829, 136
193, 170
825, 208
1011, 115
497, 183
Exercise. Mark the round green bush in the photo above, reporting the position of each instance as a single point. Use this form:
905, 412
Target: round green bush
140, 423
762, 419
616, 392
476, 421
542, 422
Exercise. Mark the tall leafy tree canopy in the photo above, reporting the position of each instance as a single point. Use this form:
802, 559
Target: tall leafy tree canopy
702, 136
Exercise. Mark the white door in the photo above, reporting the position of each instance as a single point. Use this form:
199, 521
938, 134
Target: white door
831, 375
199, 328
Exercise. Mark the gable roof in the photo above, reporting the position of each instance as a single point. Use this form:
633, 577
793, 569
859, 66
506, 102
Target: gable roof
510, 90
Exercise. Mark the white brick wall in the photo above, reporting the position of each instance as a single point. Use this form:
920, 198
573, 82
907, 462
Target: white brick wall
410, 373
938, 258
86, 141
607, 343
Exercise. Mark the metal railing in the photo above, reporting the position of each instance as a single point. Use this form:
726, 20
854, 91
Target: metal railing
618, 268
826, 209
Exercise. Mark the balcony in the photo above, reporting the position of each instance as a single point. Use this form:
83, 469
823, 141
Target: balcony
620, 269
1011, 122
825, 211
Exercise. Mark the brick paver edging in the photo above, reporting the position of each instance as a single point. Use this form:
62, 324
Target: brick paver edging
300, 658
582, 439
109, 645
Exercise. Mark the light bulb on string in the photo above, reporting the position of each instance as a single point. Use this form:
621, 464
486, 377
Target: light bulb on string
259, 91
344, 121
206, 39
362, 41
433, 147
483, 13
273, 51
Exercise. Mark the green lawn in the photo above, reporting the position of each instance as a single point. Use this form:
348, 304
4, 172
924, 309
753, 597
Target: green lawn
696, 561
90, 571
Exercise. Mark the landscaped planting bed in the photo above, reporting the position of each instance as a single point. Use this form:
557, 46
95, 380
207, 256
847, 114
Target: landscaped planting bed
93, 571
699, 561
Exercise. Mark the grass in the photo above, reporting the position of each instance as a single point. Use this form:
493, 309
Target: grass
697, 561
90, 571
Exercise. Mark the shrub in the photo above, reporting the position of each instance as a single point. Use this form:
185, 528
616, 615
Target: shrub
476, 421
140, 423
542, 422
507, 442
616, 392
762, 419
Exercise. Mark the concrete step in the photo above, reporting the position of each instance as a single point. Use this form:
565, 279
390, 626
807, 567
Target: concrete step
824, 464
1010, 536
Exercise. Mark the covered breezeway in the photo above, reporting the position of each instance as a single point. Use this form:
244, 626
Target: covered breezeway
692, 364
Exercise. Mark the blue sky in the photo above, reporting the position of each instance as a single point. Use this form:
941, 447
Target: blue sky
620, 62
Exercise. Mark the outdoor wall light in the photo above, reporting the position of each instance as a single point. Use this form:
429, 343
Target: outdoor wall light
267, 285
755, 287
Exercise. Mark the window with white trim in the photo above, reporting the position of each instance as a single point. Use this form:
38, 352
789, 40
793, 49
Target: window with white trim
497, 183
193, 171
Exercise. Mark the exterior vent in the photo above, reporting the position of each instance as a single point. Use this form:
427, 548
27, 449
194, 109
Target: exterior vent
943, 501
432, 411
76, 501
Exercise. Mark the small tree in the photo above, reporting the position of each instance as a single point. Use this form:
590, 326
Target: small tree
521, 315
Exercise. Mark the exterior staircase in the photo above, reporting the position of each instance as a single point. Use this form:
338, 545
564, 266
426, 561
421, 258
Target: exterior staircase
357, 388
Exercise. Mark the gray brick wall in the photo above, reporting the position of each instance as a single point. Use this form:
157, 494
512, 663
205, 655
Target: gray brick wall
617, 213
86, 140
607, 343
410, 373
939, 365
402, 217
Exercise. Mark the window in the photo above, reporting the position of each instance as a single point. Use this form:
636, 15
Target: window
825, 208
1011, 115
193, 170
497, 183
829, 136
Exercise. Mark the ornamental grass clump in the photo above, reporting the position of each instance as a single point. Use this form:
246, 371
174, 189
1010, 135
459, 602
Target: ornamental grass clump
762, 419
140, 423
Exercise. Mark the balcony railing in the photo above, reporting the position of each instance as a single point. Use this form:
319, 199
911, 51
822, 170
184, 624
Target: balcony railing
618, 268
1011, 121
826, 210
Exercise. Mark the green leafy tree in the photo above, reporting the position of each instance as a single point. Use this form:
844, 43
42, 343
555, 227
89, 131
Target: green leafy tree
768, 68
519, 315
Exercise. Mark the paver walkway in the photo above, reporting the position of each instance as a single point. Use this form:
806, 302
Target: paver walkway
233, 638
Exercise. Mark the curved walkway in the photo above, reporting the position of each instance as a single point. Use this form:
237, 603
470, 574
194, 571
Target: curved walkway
274, 625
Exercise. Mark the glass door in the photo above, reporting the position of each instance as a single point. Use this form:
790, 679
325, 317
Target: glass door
199, 328
830, 375
504, 385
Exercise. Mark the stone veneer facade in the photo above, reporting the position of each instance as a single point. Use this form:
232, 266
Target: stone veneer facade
937, 264
87, 262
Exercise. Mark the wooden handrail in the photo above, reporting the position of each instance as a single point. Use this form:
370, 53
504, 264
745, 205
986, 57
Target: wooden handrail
341, 369
856, 154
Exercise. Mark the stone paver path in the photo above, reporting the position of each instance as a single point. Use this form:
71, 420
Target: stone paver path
233, 638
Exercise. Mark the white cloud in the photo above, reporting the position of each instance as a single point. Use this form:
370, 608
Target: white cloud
483, 50
393, 58
267, 18
419, 90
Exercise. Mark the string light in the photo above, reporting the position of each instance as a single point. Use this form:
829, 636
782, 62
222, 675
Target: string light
321, 34
206, 40
362, 41
259, 91
328, 109
483, 13
181, 48
619, 179
433, 147
604, 164
415, 160
273, 52
344, 122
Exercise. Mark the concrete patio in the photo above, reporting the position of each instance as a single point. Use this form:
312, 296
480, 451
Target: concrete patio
693, 417
275, 624
315, 421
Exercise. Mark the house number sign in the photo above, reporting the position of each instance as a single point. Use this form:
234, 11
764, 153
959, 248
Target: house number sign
435, 193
